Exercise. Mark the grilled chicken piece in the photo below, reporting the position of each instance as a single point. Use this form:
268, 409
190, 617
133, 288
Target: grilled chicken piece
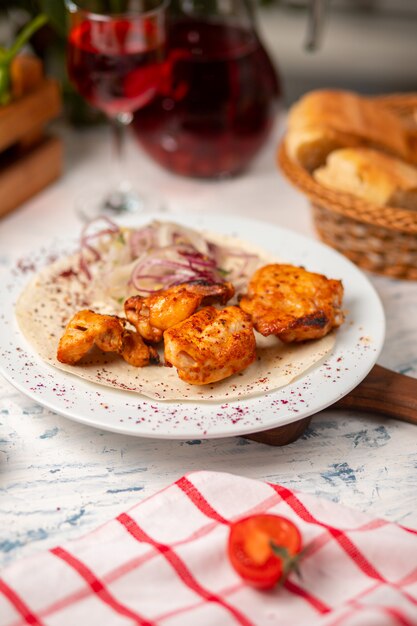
136, 352
211, 345
153, 315
108, 333
292, 303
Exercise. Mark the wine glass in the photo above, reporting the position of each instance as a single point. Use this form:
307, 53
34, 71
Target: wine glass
114, 59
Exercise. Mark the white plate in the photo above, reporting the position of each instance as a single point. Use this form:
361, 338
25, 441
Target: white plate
359, 342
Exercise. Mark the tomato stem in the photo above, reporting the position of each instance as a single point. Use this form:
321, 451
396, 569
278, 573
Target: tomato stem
290, 562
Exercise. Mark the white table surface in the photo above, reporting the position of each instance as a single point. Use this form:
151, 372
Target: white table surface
59, 479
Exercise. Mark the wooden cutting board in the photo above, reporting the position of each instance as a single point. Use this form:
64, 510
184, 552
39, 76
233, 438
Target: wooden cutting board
383, 392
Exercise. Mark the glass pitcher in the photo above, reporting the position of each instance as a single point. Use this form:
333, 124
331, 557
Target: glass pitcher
219, 92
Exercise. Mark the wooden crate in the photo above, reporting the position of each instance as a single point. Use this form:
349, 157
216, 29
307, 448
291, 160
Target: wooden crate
29, 160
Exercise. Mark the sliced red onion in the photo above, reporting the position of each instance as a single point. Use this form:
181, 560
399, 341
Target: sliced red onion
165, 255
111, 229
141, 241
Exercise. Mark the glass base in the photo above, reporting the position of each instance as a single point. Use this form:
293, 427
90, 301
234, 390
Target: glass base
123, 201
119, 201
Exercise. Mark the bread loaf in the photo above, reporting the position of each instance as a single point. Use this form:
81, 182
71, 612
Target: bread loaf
373, 176
325, 120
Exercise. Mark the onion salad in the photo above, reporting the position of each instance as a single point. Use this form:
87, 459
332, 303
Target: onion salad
123, 261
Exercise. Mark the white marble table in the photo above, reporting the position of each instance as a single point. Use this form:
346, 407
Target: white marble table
58, 478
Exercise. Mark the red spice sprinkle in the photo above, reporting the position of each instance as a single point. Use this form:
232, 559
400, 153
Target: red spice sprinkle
67, 273
26, 266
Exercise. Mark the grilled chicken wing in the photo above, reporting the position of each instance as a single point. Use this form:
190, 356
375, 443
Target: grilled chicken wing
153, 315
108, 333
292, 303
211, 345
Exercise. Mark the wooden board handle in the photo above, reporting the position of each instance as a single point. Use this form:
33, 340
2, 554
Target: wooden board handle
382, 391
385, 392
281, 435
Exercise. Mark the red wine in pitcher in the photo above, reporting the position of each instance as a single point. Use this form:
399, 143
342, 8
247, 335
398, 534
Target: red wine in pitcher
216, 102
113, 64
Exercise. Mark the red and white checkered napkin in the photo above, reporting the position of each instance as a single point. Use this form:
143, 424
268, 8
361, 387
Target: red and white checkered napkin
165, 562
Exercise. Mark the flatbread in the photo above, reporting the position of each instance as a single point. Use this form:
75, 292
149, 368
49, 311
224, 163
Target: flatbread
57, 293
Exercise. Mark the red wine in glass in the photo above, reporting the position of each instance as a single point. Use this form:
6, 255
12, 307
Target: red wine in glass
216, 103
112, 65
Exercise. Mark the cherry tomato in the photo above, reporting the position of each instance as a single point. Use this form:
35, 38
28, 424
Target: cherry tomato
263, 548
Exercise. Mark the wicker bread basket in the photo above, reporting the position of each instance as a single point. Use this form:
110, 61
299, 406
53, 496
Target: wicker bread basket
381, 239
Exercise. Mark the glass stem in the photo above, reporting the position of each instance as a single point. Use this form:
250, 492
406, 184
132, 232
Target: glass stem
123, 198
119, 129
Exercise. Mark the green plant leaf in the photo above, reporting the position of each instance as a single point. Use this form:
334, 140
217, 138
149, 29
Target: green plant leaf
24, 36
57, 14
4, 85
6, 56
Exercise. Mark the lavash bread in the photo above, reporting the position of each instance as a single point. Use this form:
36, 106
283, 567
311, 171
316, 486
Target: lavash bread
325, 120
371, 175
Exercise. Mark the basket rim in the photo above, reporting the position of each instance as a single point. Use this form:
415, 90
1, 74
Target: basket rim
346, 204
397, 99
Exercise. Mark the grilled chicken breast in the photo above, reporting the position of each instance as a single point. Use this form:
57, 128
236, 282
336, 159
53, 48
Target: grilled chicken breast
211, 345
86, 329
292, 303
153, 315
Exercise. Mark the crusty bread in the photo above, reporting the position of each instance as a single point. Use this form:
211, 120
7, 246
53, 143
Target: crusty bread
373, 176
325, 120
310, 146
